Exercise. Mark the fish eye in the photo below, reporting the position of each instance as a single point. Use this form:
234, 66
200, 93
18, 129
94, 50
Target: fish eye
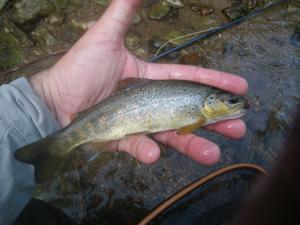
233, 100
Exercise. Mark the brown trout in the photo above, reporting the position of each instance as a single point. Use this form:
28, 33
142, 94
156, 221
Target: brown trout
149, 107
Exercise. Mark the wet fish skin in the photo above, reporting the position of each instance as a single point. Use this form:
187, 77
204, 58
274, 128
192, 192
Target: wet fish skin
153, 106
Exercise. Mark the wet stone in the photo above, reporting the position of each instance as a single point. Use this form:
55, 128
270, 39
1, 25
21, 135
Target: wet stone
203, 10
206, 10
132, 41
43, 37
10, 51
136, 19
82, 25
175, 3
159, 10
249, 5
141, 53
242, 7
56, 19
233, 12
31, 10
295, 38
9, 27
2, 3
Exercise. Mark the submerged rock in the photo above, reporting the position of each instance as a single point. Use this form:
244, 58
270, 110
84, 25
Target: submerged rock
136, 19
249, 5
132, 41
10, 51
159, 10
242, 7
31, 10
175, 3
8, 26
141, 53
234, 12
203, 10
2, 3
56, 19
83, 25
206, 10
43, 37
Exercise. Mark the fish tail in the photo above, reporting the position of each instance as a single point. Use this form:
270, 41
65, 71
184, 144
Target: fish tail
46, 155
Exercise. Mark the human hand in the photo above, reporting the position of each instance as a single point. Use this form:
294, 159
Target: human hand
92, 68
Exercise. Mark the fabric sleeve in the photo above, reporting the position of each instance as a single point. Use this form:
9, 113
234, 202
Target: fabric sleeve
24, 118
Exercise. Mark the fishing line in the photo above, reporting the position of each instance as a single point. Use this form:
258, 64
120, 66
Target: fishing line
218, 30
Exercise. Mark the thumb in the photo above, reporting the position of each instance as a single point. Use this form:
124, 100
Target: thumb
117, 18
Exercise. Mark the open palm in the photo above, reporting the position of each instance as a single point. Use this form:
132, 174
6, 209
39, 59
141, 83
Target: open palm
92, 68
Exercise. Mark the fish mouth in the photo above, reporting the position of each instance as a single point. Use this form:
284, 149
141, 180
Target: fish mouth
238, 111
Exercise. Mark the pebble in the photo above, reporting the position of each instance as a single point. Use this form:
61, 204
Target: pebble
233, 13
159, 10
175, 3
56, 19
2, 3
43, 37
141, 53
132, 41
83, 25
203, 10
136, 19
29, 10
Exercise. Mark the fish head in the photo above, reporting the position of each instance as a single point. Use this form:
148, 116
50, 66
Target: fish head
223, 106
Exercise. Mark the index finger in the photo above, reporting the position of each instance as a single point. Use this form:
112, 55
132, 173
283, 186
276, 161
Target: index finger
225, 81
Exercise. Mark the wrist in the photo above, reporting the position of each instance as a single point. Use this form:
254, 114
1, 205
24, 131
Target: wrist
43, 87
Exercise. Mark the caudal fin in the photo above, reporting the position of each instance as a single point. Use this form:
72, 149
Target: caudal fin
46, 155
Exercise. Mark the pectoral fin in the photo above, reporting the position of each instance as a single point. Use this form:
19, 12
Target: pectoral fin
130, 83
192, 127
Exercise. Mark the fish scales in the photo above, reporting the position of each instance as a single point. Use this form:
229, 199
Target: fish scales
153, 107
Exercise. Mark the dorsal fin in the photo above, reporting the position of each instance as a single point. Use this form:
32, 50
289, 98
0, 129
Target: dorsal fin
130, 83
